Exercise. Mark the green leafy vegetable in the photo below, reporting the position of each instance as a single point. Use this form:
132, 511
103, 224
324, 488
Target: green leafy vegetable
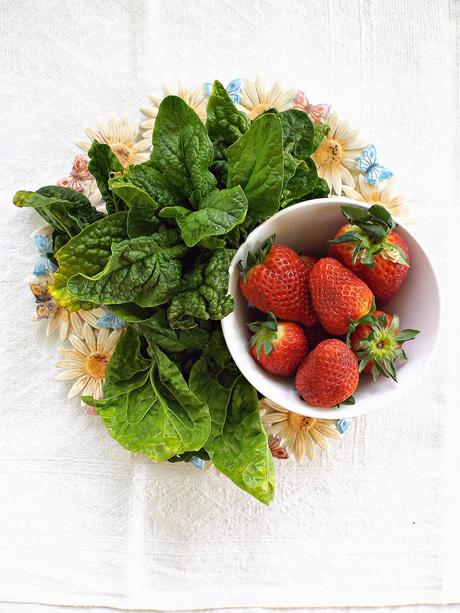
145, 270
225, 123
63, 208
321, 190
182, 151
301, 184
298, 133
161, 417
219, 212
237, 444
127, 369
321, 130
103, 164
157, 330
142, 221
142, 185
241, 452
290, 164
204, 292
256, 161
86, 254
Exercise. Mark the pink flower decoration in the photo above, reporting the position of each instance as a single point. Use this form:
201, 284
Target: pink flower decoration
316, 113
277, 451
78, 175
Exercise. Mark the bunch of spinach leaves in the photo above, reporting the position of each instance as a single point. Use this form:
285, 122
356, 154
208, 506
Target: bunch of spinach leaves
159, 259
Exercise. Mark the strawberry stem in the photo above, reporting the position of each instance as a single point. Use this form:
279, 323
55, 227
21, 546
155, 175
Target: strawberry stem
369, 232
383, 345
256, 257
265, 332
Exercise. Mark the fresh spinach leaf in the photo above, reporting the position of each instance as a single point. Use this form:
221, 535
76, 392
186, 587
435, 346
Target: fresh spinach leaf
160, 418
103, 164
241, 451
142, 221
298, 133
225, 123
127, 369
131, 312
87, 254
290, 166
255, 161
142, 185
203, 382
301, 184
219, 212
321, 190
182, 151
157, 330
237, 443
321, 130
211, 243
145, 270
204, 292
65, 209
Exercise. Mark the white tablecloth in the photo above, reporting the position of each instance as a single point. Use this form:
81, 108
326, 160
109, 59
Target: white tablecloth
83, 522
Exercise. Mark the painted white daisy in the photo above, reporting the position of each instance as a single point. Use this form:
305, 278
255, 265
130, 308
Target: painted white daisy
298, 434
87, 360
122, 135
381, 193
91, 191
256, 99
66, 323
196, 99
336, 156
60, 319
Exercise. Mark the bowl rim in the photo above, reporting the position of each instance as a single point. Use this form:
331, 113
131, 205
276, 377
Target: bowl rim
351, 410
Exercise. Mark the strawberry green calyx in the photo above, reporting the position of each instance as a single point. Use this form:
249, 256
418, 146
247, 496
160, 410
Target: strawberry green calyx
256, 257
378, 350
265, 332
369, 232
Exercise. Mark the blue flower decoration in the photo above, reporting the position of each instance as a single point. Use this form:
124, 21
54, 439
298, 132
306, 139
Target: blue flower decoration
110, 320
373, 172
198, 462
342, 425
233, 90
44, 245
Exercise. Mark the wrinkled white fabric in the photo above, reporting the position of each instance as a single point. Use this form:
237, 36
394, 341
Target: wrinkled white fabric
85, 523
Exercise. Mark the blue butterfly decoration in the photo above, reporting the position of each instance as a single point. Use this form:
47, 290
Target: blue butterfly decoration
233, 89
44, 266
110, 320
373, 172
342, 425
198, 462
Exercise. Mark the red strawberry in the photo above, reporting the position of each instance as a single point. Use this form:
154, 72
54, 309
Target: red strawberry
370, 247
279, 347
329, 374
338, 295
276, 280
377, 342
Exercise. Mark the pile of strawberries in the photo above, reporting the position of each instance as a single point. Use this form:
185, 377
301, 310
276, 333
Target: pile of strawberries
323, 326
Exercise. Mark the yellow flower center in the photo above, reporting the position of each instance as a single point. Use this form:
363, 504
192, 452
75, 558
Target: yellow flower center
259, 109
124, 153
329, 153
300, 422
96, 364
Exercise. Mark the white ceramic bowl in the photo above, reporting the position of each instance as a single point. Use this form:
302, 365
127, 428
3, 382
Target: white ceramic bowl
308, 226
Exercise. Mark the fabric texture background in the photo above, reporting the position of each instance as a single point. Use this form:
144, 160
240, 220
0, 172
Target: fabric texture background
85, 523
